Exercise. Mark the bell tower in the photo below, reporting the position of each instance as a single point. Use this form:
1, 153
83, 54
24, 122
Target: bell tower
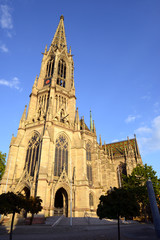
53, 93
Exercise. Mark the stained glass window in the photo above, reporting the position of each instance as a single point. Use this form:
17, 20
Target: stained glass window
61, 155
32, 154
88, 152
89, 173
88, 159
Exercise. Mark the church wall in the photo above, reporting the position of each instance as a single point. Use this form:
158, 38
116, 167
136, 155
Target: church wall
20, 161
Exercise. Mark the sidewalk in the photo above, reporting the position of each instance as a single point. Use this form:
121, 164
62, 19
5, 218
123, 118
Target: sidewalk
80, 229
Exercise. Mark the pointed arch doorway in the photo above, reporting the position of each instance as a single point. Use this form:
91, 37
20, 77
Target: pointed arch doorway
61, 203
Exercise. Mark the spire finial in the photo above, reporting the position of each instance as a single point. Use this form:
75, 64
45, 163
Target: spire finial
62, 17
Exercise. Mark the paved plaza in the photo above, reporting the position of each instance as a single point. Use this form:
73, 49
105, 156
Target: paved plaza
82, 228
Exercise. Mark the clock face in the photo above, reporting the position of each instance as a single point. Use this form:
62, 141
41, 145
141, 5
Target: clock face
47, 82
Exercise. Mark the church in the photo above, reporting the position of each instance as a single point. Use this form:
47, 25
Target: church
55, 155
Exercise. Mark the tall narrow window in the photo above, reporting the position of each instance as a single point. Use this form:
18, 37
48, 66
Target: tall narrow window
61, 73
91, 203
89, 173
88, 160
32, 154
50, 68
88, 152
61, 155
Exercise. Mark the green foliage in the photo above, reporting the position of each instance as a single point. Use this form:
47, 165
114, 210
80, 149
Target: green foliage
115, 204
118, 202
137, 182
33, 205
11, 203
2, 163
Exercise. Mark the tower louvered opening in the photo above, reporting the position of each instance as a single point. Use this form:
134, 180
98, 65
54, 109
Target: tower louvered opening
50, 68
61, 79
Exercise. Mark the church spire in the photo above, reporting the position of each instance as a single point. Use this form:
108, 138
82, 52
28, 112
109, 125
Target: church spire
59, 39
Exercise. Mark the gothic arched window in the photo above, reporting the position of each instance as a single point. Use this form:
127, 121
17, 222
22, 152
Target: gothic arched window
61, 155
88, 160
61, 73
89, 173
50, 68
88, 152
91, 203
32, 154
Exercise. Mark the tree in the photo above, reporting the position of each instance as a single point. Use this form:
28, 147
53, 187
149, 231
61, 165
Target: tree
33, 205
11, 203
2, 163
137, 181
118, 202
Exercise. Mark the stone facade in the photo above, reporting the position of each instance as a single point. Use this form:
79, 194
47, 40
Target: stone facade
55, 155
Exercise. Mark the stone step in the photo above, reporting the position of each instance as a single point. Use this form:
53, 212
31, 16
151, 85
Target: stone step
53, 220
85, 221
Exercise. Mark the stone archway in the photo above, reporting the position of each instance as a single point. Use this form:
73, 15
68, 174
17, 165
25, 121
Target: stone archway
61, 202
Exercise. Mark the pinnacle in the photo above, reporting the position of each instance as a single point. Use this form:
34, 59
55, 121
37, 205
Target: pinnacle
62, 17
59, 39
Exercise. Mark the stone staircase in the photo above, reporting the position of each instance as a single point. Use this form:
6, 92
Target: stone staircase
77, 221
53, 221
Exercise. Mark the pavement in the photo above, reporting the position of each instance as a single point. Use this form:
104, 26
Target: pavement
82, 228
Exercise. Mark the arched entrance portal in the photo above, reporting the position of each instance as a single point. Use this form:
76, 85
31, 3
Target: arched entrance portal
61, 203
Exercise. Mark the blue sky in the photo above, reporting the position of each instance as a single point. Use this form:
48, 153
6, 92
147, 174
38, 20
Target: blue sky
116, 54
